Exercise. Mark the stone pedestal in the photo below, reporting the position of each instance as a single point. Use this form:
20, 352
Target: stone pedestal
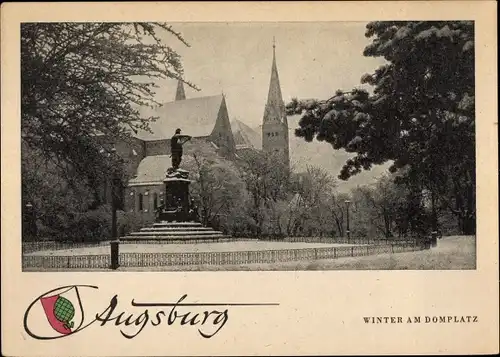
176, 205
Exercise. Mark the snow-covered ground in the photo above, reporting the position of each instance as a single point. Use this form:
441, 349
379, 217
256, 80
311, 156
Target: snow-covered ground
189, 248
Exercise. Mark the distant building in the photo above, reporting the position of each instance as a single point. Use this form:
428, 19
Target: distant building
275, 124
206, 119
245, 138
274, 129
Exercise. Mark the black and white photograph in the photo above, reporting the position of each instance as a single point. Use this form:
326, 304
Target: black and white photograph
248, 146
249, 178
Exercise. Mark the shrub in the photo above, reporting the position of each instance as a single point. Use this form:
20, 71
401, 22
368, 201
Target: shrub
130, 222
240, 224
90, 226
95, 225
360, 232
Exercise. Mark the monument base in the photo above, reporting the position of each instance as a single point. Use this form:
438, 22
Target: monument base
177, 219
175, 232
177, 207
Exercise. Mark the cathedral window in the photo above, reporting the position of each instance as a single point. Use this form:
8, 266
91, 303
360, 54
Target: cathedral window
132, 209
139, 197
155, 200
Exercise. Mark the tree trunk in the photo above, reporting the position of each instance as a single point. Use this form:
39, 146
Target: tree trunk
470, 220
340, 227
467, 224
387, 224
434, 213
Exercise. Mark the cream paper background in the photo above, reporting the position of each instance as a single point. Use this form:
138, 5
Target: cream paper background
319, 312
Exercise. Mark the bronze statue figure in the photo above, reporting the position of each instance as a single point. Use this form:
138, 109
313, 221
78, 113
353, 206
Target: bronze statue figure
176, 143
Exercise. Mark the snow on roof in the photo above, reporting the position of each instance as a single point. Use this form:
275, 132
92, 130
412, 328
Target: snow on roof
244, 136
195, 117
153, 169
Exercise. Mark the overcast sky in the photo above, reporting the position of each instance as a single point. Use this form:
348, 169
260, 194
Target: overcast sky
314, 60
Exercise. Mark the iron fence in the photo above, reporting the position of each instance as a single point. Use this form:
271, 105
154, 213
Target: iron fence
213, 258
343, 240
67, 262
185, 241
30, 247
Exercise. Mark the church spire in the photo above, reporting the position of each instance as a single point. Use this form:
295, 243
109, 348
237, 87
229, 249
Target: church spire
274, 123
180, 94
274, 97
275, 108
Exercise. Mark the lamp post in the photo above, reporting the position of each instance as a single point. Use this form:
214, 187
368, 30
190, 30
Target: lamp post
114, 184
434, 222
115, 181
30, 220
114, 208
347, 202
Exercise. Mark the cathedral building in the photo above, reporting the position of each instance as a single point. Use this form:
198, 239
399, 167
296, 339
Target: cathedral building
274, 128
275, 124
206, 119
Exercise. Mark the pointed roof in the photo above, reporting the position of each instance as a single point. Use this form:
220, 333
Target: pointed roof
275, 107
274, 95
196, 117
180, 94
244, 136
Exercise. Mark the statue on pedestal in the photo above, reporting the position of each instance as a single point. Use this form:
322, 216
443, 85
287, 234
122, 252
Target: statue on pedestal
176, 143
176, 206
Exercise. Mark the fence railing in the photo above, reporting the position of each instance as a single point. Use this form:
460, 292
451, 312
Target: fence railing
30, 247
102, 261
186, 241
343, 240
212, 258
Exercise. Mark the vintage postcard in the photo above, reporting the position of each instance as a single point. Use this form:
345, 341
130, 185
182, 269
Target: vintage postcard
260, 178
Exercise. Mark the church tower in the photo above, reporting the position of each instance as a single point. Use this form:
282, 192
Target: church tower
275, 124
180, 94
